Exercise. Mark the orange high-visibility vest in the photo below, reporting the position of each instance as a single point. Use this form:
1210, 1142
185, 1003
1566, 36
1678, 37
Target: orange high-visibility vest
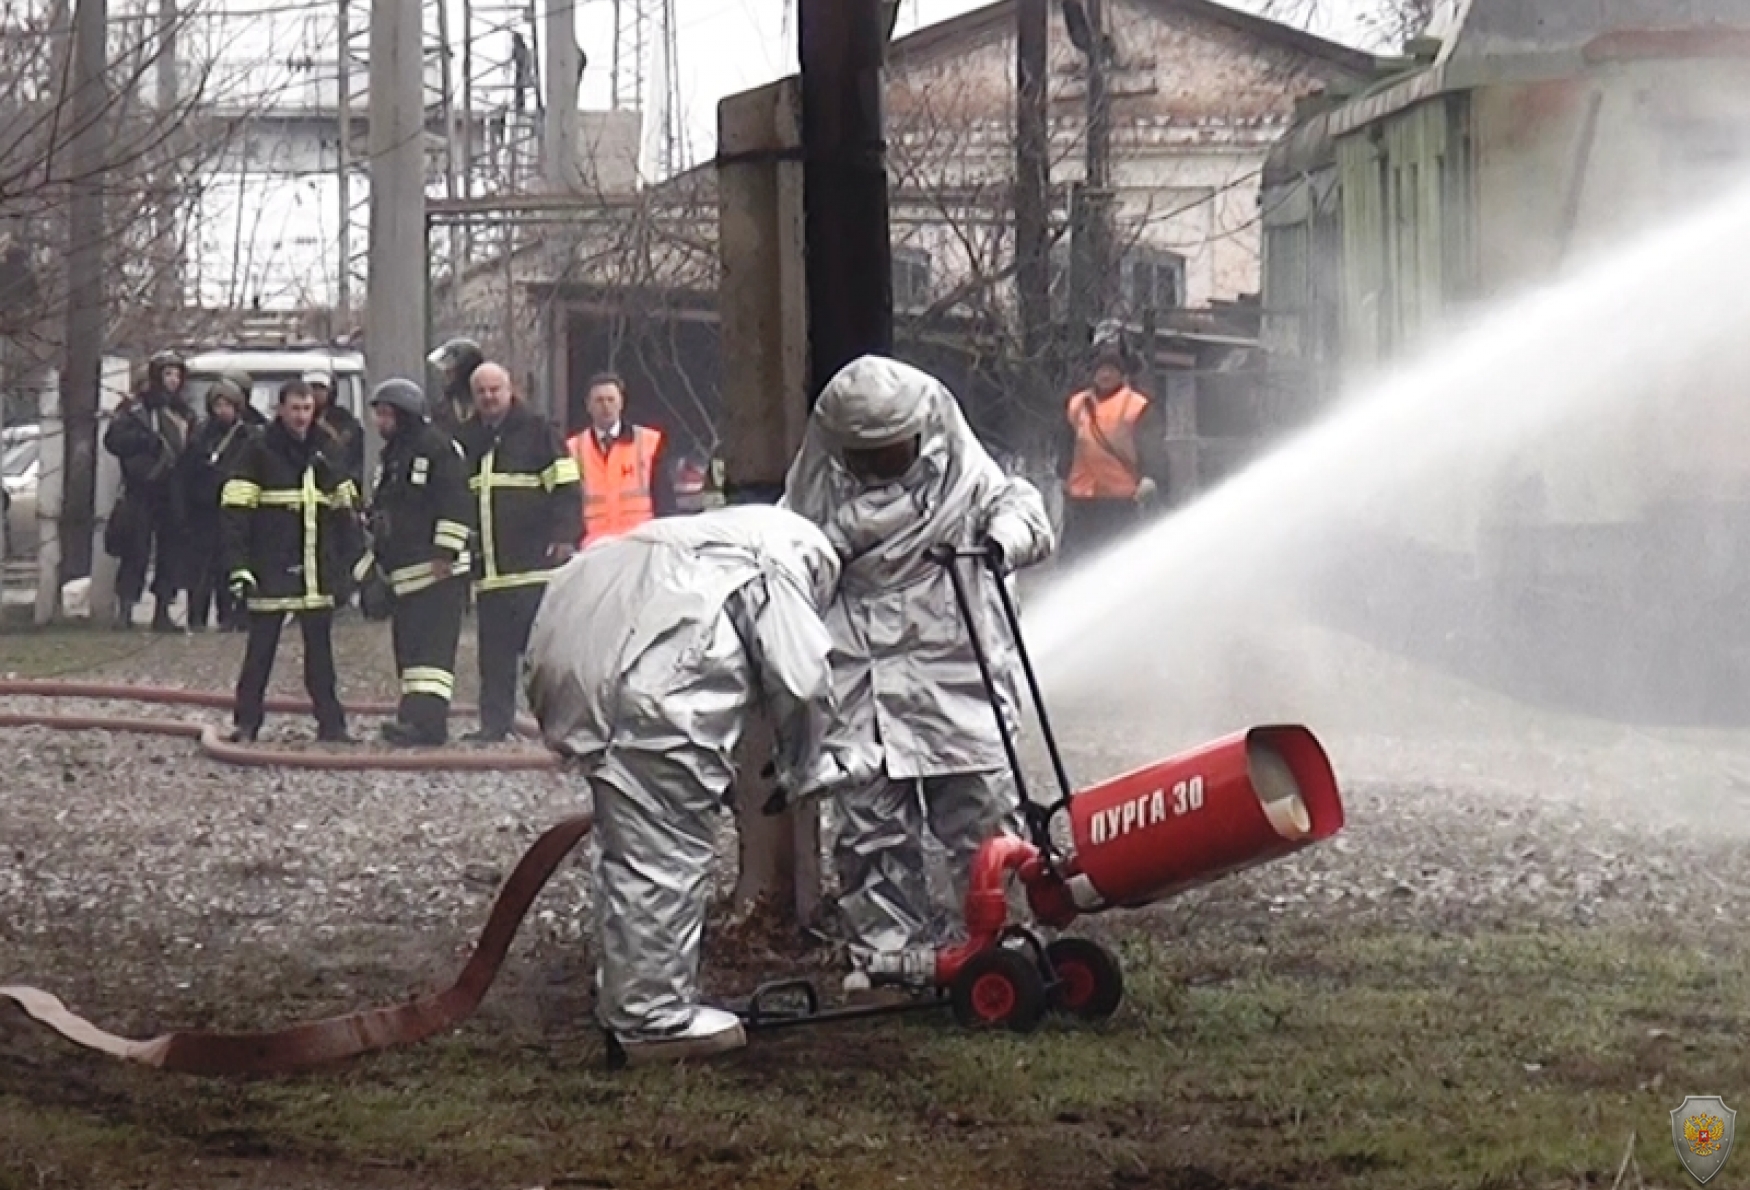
1105, 463
616, 485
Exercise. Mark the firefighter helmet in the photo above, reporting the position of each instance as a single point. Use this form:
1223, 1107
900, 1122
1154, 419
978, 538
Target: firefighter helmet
456, 361
401, 395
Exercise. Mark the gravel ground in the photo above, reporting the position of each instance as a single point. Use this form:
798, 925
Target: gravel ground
153, 888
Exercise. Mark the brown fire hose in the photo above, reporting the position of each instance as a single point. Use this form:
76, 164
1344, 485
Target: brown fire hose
315, 1043
215, 746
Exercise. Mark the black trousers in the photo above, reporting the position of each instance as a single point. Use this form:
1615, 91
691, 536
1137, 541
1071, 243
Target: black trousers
424, 630
505, 618
319, 680
208, 584
1090, 524
152, 539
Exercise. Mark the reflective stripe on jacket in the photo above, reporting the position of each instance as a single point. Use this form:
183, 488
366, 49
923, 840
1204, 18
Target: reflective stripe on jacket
289, 523
421, 512
525, 490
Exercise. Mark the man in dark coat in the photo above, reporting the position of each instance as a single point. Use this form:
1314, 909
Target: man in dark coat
148, 434
344, 434
213, 456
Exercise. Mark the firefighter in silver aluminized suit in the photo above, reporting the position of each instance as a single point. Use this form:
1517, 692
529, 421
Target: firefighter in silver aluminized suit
889, 468
647, 653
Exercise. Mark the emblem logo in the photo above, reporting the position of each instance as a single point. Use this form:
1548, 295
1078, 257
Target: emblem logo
1702, 1130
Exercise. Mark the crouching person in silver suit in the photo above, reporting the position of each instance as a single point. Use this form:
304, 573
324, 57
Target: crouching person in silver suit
647, 654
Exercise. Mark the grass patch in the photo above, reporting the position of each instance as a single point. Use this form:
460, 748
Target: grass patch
1316, 1059
65, 650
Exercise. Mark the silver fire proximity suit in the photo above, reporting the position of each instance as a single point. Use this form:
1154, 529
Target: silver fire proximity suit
647, 653
912, 705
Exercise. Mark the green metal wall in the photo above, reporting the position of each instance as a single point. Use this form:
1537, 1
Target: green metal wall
1408, 226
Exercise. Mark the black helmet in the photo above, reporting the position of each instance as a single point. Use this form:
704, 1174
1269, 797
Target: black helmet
456, 360
161, 360
401, 395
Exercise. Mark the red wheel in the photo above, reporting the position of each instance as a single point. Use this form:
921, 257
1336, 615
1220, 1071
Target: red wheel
993, 998
1090, 982
999, 988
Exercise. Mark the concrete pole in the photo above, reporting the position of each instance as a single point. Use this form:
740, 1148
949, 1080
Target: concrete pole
559, 140
762, 303
789, 323
168, 282
467, 120
89, 157
452, 149
343, 169
395, 297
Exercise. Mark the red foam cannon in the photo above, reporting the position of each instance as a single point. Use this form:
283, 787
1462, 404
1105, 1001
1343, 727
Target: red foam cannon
1244, 800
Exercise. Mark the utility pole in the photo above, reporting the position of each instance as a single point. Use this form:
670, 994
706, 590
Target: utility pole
343, 174
844, 185
467, 120
559, 150
1091, 217
89, 158
168, 281
452, 150
1032, 184
395, 295
844, 300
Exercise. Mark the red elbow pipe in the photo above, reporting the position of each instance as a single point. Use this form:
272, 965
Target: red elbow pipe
987, 905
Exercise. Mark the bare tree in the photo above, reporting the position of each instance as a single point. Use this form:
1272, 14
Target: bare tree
1388, 23
155, 145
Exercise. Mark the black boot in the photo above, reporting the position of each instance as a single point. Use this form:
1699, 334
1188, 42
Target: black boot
402, 735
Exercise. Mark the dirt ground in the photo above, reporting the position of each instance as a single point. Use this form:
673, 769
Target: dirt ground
1526, 948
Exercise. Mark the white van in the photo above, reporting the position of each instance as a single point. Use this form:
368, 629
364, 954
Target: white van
271, 367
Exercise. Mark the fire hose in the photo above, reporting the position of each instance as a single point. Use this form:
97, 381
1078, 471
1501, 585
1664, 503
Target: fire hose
316, 1043
216, 747
332, 1039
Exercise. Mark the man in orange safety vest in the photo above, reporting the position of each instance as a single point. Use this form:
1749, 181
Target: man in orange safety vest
1114, 455
624, 467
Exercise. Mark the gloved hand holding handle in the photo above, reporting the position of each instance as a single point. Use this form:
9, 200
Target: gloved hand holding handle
831, 773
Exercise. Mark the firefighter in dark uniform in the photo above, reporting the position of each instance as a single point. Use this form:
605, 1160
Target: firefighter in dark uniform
420, 525
289, 522
455, 362
529, 516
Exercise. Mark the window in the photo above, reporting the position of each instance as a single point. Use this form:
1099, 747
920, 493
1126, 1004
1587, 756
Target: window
1147, 277
1153, 279
911, 279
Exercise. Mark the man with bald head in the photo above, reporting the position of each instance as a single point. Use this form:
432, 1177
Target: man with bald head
529, 514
